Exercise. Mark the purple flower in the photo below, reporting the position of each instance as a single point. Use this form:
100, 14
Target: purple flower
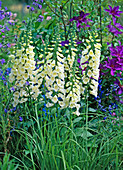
2, 61
117, 51
39, 6
2, 30
78, 60
35, 4
20, 118
6, 8
64, 42
1, 45
78, 42
81, 19
12, 89
5, 83
9, 23
2, 16
117, 24
9, 13
113, 30
28, 6
7, 28
113, 65
0, 3
27, 83
9, 45
114, 11
120, 87
3, 78
40, 19
32, 9
120, 62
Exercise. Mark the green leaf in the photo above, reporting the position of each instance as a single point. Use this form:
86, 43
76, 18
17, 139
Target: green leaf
77, 120
53, 111
92, 110
38, 25
82, 133
26, 152
0, 164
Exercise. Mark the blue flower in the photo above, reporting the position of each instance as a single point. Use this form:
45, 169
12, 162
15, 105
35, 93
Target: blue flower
44, 110
14, 108
11, 131
3, 78
2, 61
43, 96
59, 98
105, 118
99, 81
104, 110
5, 110
8, 70
20, 118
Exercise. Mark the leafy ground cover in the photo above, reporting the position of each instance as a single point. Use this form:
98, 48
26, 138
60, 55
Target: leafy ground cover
61, 86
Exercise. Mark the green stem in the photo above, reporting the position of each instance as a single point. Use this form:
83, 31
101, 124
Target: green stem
87, 130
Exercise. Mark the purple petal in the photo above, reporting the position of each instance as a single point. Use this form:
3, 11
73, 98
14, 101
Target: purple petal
110, 7
120, 91
78, 60
112, 72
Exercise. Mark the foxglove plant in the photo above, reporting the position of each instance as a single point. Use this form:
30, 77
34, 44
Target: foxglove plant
63, 88
24, 75
89, 63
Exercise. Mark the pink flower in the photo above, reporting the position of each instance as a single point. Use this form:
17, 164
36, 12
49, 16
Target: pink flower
113, 114
48, 18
